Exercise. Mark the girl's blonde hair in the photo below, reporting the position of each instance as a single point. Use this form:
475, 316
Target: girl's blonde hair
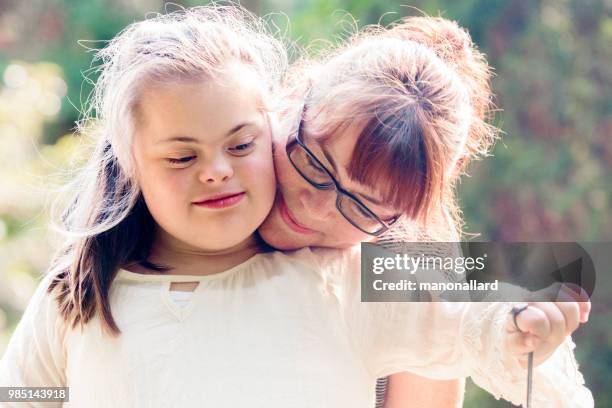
107, 224
420, 93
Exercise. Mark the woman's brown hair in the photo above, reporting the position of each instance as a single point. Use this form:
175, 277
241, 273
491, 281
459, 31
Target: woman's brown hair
454, 46
419, 91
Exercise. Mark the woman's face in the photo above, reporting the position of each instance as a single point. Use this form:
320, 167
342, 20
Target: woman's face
203, 155
303, 215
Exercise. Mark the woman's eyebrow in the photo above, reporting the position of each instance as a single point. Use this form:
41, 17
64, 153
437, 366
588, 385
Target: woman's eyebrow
189, 139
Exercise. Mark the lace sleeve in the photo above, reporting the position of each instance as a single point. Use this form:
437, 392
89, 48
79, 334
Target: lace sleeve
556, 383
446, 340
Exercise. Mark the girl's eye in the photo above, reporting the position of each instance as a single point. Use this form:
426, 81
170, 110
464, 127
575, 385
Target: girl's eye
242, 148
181, 160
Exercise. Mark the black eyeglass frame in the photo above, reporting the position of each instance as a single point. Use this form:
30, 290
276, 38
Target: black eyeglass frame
340, 191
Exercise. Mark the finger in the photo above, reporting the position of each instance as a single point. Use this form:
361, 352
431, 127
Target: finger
511, 324
521, 344
570, 311
582, 297
534, 320
556, 322
585, 311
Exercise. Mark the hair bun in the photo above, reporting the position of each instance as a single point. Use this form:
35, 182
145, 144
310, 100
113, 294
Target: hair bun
453, 45
446, 38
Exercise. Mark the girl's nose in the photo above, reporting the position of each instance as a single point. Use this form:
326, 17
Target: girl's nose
216, 171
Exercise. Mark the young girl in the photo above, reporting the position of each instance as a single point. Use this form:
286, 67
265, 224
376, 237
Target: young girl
181, 177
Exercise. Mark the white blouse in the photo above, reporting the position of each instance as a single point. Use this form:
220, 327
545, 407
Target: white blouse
181, 298
280, 330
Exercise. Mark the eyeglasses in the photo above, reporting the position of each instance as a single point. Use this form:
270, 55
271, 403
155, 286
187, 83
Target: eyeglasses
315, 173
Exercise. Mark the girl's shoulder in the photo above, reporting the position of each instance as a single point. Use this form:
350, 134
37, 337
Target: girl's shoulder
328, 261
35, 353
325, 257
45, 295
338, 269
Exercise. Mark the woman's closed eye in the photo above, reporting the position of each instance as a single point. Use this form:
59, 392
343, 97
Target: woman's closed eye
389, 220
363, 212
315, 165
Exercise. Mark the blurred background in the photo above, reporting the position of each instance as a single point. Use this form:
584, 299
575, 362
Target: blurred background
550, 177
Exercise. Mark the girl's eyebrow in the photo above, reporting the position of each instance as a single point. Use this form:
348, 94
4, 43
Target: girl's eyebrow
185, 139
189, 139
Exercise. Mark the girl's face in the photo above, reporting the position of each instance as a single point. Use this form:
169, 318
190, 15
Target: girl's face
305, 216
204, 160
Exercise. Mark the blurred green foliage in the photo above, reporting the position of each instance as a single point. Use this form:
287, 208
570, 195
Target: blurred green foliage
550, 177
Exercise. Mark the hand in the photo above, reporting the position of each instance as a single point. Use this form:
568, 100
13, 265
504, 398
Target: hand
543, 326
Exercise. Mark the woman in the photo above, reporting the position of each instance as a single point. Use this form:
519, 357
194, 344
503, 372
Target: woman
347, 88
306, 216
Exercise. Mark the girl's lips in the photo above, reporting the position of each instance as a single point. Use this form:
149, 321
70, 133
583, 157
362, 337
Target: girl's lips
222, 201
289, 220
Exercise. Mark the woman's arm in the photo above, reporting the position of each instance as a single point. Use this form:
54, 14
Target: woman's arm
407, 390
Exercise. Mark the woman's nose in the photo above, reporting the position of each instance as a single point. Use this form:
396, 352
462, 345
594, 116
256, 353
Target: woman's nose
216, 170
320, 204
